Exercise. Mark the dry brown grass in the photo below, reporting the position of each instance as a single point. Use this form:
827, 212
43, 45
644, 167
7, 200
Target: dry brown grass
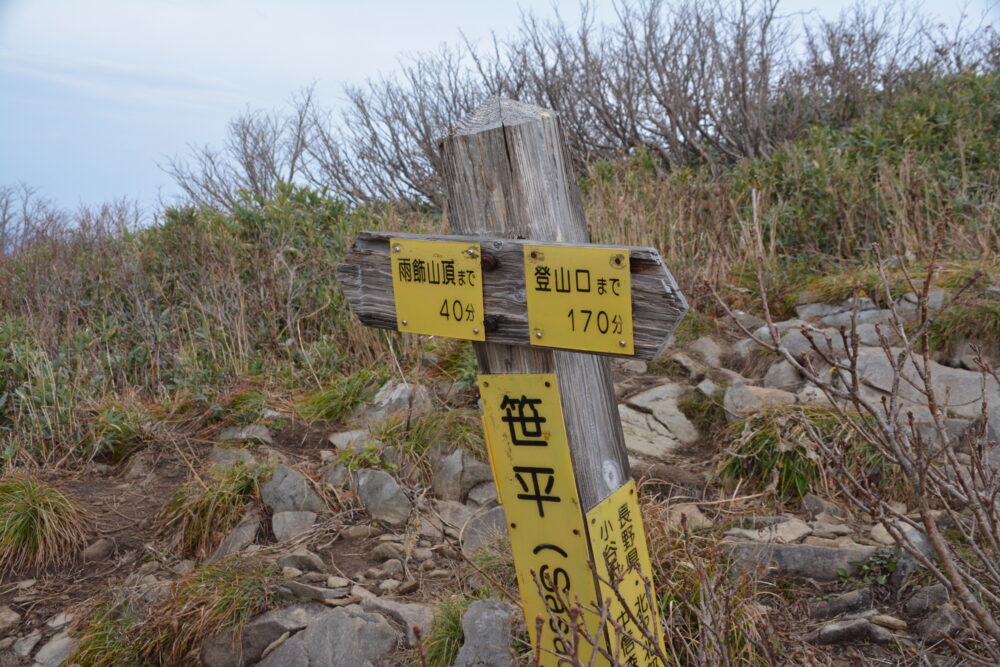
40, 526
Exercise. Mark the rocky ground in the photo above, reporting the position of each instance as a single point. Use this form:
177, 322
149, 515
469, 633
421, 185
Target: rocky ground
367, 544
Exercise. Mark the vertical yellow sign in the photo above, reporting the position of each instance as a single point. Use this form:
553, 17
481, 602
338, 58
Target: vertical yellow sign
529, 452
621, 555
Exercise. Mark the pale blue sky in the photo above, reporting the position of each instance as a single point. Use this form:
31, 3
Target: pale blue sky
93, 94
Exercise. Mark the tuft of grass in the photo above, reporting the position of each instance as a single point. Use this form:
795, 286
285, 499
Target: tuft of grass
336, 402
705, 412
109, 637
458, 427
442, 645
460, 363
205, 602
694, 325
248, 407
975, 320
699, 592
115, 433
204, 511
773, 450
39, 525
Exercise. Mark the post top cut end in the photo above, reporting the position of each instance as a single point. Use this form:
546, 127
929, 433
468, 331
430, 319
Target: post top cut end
496, 112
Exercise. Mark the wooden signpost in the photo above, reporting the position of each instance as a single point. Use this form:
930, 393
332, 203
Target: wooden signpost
545, 310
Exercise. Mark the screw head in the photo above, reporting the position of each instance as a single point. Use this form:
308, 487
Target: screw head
397, 248
475, 330
621, 343
404, 322
538, 334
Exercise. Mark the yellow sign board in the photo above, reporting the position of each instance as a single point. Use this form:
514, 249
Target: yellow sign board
529, 452
621, 555
438, 288
579, 298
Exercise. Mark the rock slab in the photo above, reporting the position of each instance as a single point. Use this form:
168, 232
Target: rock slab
486, 626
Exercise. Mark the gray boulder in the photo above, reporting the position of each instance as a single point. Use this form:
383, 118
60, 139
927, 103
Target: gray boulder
383, 498
239, 537
926, 600
345, 637
56, 650
742, 400
288, 525
782, 375
303, 559
486, 626
798, 560
225, 649
9, 620
289, 491
404, 616
227, 457
396, 398
709, 350
256, 433
942, 623
456, 473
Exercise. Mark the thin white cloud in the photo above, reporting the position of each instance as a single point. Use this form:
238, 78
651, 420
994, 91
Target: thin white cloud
117, 81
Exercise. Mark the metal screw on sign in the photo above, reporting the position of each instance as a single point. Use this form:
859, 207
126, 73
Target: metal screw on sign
397, 248
404, 323
538, 334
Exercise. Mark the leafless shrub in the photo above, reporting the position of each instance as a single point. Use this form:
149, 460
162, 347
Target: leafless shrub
689, 82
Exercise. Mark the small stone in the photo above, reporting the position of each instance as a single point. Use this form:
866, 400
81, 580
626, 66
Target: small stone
486, 627
56, 650
383, 497
782, 375
945, 622
880, 534
358, 532
743, 400
310, 592
99, 550
239, 537
348, 439
408, 587
9, 620
386, 551
60, 619
25, 645
304, 560
849, 632
227, 457
291, 572
256, 433
890, 622
289, 525
483, 494
841, 604
708, 350
289, 491
337, 582
926, 599
635, 367
389, 585
820, 541
337, 475
707, 388
830, 529
406, 616
422, 553
392, 567
690, 515
183, 567
785, 532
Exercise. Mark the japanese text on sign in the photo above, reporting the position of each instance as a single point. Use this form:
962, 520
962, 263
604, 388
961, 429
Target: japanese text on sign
621, 556
531, 463
437, 287
579, 298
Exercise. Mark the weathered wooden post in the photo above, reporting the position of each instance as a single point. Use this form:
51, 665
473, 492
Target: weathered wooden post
508, 175
553, 431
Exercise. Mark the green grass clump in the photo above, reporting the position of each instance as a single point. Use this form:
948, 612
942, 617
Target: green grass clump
705, 412
977, 320
209, 600
460, 363
205, 510
336, 402
773, 450
442, 645
115, 433
39, 526
109, 637
248, 407
452, 428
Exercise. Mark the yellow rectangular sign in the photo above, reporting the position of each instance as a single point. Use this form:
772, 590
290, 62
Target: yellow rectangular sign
621, 556
438, 288
579, 298
529, 452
